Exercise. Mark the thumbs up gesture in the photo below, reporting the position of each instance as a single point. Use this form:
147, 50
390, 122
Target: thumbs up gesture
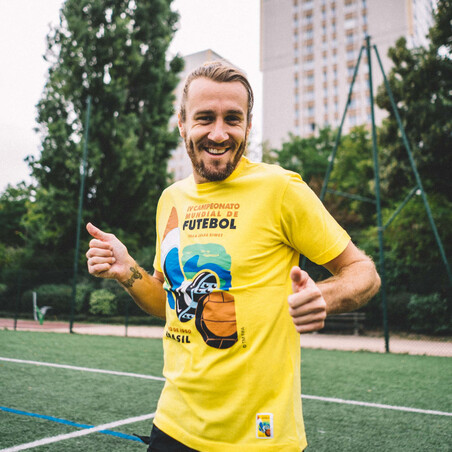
107, 256
306, 304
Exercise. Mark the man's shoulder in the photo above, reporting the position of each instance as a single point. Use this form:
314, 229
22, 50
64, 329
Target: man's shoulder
270, 172
179, 185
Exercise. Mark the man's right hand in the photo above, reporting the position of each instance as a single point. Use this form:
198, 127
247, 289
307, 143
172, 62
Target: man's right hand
107, 256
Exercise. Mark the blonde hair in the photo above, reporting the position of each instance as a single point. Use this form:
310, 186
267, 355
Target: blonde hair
218, 71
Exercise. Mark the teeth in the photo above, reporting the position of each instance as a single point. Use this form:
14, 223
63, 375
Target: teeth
216, 151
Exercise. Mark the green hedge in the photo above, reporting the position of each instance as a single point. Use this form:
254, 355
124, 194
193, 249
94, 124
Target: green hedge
102, 302
430, 314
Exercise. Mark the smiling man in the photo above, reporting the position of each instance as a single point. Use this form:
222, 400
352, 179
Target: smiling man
216, 128
226, 280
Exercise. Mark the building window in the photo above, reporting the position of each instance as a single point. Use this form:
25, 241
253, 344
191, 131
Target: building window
350, 54
309, 80
350, 23
353, 120
309, 95
308, 19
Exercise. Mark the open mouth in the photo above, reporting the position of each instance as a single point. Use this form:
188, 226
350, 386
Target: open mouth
213, 151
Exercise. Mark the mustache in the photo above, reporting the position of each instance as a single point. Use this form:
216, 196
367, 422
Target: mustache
205, 142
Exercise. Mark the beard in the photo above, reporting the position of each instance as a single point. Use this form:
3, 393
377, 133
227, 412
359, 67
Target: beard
216, 172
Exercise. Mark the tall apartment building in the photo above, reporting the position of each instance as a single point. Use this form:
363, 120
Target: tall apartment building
309, 50
179, 164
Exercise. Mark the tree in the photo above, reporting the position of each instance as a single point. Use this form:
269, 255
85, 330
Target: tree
305, 156
115, 52
353, 174
421, 81
13, 206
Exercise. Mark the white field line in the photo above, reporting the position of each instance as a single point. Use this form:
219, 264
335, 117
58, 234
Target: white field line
84, 369
304, 396
377, 405
55, 439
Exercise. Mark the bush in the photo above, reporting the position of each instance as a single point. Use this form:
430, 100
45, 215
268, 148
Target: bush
429, 314
398, 310
82, 297
102, 302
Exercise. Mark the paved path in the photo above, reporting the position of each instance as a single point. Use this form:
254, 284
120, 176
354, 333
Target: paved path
321, 341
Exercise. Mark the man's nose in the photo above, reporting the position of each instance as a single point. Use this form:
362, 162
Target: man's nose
218, 132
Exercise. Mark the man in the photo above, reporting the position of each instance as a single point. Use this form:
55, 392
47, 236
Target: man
226, 280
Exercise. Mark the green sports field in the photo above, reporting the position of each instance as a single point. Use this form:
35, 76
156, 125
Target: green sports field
56, 387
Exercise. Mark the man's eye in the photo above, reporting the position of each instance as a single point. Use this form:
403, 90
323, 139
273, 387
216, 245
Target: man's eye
233, 119
205, 119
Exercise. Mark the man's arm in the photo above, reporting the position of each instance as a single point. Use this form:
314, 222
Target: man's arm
108, 258
354, 282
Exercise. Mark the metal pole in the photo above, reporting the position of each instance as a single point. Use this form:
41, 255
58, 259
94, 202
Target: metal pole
19, 289
339, 132
415, 172
127, 318
378, 201
302, 261
80, 208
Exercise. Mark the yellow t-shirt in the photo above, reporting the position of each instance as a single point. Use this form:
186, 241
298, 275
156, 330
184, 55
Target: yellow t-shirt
232, 354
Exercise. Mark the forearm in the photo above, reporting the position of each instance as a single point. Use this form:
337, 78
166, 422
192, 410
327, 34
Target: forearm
351, 287
146, 290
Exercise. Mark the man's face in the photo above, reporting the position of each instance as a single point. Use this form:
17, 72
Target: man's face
216, 129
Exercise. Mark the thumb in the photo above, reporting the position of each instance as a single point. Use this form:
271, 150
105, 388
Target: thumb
299, 279
96, 232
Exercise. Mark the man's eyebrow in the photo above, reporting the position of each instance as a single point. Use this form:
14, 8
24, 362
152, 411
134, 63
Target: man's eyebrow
237, 112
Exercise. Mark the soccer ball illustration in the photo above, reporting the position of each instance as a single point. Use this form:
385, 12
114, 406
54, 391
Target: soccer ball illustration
216, 321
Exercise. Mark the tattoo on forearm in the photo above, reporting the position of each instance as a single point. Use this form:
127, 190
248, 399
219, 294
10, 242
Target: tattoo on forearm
135, 275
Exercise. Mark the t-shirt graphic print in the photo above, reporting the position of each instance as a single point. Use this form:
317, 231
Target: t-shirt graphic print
202, 294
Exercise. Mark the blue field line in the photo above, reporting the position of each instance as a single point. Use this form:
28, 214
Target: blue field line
66, 422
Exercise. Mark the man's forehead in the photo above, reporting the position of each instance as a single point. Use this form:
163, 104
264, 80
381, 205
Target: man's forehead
204, 90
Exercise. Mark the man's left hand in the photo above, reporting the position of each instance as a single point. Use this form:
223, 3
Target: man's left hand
306, 304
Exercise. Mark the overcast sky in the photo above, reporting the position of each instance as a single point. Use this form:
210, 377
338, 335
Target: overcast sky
229, 27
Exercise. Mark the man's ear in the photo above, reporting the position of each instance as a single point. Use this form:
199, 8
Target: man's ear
249, 125
181, 126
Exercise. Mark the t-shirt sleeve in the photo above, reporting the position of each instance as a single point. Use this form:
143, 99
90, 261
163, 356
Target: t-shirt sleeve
307, 226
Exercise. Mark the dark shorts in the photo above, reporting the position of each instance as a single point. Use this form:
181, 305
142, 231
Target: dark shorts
161, 442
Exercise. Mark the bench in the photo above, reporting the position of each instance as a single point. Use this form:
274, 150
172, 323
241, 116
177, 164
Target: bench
349, 321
